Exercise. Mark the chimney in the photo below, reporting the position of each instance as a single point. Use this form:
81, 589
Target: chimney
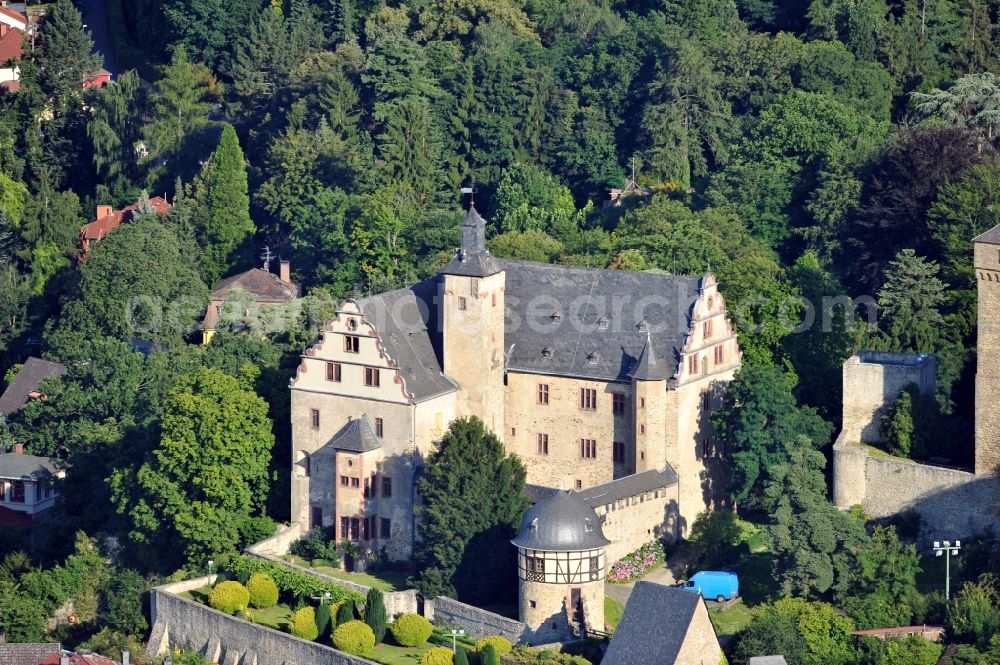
3, 30
286, 272
125, 657
19, 448
64, 660
104, 211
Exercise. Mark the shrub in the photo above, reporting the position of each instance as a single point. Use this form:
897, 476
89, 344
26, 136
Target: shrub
292, 582
263, 590
354, 637
304, 624
489, 655
638, 563
411, 630
229, 597
346, 612
501, 644
461, 658
436, 656
317, 545
375, 615
324, 617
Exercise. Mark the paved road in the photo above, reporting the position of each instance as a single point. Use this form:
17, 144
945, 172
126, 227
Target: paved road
96, 19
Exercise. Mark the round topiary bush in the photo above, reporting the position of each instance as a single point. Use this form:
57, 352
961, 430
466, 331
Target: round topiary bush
304, 624
411, 630
263, 591
229, 597
502, 645
354, 637
436, 656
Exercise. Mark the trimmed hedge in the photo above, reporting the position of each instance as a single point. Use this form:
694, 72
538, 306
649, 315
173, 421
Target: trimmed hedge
411, 630
304, 624
436, 656
354, 637
300, 585
229, 597
501, 644
263, 591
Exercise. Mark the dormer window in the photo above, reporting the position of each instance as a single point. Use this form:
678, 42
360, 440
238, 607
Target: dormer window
533, 528
352, 324
593, 357
641, 325
557, 316
547, 352
589, 528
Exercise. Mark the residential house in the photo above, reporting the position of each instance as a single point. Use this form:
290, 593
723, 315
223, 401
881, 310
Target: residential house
26, 492
264, 290
25, 654
27, 382
108, 219
589, 376
663, 625
13, 27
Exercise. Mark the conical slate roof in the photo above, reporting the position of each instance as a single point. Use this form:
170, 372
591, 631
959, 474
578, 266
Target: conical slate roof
648, 367
559, 523
472, 258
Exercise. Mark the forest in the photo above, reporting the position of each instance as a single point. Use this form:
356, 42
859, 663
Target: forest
809, 153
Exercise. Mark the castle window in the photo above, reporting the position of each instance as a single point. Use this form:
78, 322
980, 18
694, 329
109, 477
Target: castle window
307, 464
314, 418
692, 364
588, 448
368, 487
345, 481
316, 517
720, 355
642, 455
642, 429
707, 330
494, 297
706, 402
543, 393
345, 527
533, 604
378, 427
386, 487
543, 444
618, 404
595, 567
365, 529
355, 483
619, 452
355, 528
711, 303
642, 402
462, 303
352, 324
352, 343
579, 484
588, 399
385, 527
589, 528
371, 377
513, 431
333, 372
602, 323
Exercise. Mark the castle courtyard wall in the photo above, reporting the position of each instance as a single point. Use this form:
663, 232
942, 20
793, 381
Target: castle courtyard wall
632, 522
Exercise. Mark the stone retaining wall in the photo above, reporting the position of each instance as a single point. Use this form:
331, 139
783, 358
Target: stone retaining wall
477, 623
178, 622
280, 542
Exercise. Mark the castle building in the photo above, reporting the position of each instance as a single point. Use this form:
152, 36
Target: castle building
587, 375
560, 569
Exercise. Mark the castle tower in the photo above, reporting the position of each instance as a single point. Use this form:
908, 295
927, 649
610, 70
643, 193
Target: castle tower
987, 265
471, 312
649, 383
560, 564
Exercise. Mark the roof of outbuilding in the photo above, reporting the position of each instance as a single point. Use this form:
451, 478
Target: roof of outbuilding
407, 326
26, 654
27, 381
18, 466
357, 436
593, 324
653, 627
79, 658
561, 522
10, 45
633, 485
768, 660
991, 237
265, 286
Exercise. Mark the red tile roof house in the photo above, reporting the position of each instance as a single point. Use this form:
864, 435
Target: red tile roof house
108, 219
12, 29
50, 654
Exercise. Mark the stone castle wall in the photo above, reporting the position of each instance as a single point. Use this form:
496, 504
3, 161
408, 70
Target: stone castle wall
634, 521
224, 639
873, 380
476, 622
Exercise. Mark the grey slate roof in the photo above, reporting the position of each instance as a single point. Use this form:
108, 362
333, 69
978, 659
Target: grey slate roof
26, 654
648, 366
768, 660
590, 323
621, 488
406, 320
28, 378
561, 522
18, 466
653, 627
357, 436
473, 259
991, 237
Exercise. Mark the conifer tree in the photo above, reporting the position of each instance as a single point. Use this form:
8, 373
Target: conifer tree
345, 612
65, 60
375, 614
228, 226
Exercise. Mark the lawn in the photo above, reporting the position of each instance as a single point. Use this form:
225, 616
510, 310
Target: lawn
277, 617
388, 654
385, 581
613, 611
199, 595
730, 620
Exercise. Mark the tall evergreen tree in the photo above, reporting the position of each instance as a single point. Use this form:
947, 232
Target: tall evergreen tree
375, 614
115, 131
65, 59
910, 303
228, 226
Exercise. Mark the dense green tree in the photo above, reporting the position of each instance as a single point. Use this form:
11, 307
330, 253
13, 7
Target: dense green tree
65, 60
205, 28
896, 426
225, 238
972, 614
761, 426
410, 146
879, 586
206, 480
375, 614
472, 506
810, 633
910, 303
115, 131
973, 101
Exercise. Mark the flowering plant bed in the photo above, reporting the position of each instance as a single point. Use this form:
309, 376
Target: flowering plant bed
638, 563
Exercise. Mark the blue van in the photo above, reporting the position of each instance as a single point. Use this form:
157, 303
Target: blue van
714, 585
